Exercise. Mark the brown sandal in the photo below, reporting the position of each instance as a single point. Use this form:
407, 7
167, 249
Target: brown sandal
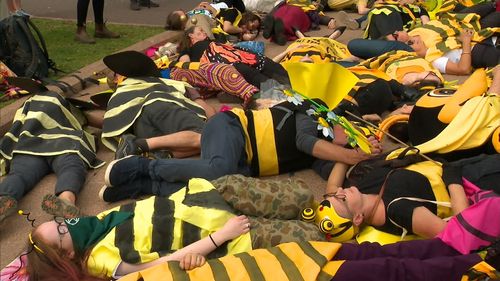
58, 207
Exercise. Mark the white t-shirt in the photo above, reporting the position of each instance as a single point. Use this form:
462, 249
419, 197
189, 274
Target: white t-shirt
453, 56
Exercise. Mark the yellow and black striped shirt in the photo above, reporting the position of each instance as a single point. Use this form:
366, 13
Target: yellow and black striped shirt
161, 226
48, 125
127, 103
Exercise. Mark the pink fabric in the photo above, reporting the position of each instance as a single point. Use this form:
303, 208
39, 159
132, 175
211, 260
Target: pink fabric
293, 16
16, 270
481, 216
150, 52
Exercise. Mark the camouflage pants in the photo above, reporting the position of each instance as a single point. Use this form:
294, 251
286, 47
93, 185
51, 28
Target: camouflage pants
272, 206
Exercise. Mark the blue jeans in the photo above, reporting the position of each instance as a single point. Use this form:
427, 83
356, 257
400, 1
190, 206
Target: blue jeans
222, 153
27, 170
365, 48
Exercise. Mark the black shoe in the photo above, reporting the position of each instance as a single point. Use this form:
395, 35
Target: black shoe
131, 190
149, 4
337, 32
126, 170
134, 5
267, 31
279, 33
127, 146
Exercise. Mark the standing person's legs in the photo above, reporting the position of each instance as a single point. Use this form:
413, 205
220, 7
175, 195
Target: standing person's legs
271, 232
101, 31
365, 49
271, 199
81, 35
71, 173
82, 8
25, 172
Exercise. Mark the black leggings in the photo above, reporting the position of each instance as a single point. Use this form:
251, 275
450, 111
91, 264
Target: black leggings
82, 8
270, 70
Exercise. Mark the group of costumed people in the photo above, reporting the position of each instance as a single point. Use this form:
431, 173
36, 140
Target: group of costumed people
425, 211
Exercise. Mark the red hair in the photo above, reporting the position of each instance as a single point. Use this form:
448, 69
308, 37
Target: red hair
53, 263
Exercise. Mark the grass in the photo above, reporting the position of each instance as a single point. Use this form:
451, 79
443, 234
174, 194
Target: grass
70, 55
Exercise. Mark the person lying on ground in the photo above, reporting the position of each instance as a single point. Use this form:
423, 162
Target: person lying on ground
385, 19
233, 26
288, 16
47, 135
202, 15
386, 199
229, 215
429, 259
150, 113
255, 68
250, 142
456, 53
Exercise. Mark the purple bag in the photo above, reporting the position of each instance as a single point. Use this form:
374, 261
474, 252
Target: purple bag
478, 225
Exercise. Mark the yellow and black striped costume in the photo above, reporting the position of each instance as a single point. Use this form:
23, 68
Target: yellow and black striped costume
219, 29
132, 95
319, 49
441, 36
409, 14
304, 261
48, 125
438, 8
163, 225
396, 64
305, 5
270, 140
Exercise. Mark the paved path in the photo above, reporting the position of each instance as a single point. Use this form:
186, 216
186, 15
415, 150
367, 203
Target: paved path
116, 11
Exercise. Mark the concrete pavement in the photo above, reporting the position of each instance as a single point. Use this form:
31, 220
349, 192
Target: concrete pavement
116, 11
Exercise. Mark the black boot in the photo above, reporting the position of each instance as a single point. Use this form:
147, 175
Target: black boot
134, 5
148, 3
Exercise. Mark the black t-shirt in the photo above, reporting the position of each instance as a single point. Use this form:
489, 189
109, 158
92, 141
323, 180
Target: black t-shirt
196, 51
401, 183
229, 15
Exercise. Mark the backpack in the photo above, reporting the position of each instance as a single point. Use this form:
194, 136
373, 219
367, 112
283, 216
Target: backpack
20, 50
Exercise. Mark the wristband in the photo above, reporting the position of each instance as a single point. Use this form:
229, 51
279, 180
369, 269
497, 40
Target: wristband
215, 244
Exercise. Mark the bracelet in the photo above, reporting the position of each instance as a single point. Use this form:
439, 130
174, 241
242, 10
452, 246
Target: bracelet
210, 236
465, 53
